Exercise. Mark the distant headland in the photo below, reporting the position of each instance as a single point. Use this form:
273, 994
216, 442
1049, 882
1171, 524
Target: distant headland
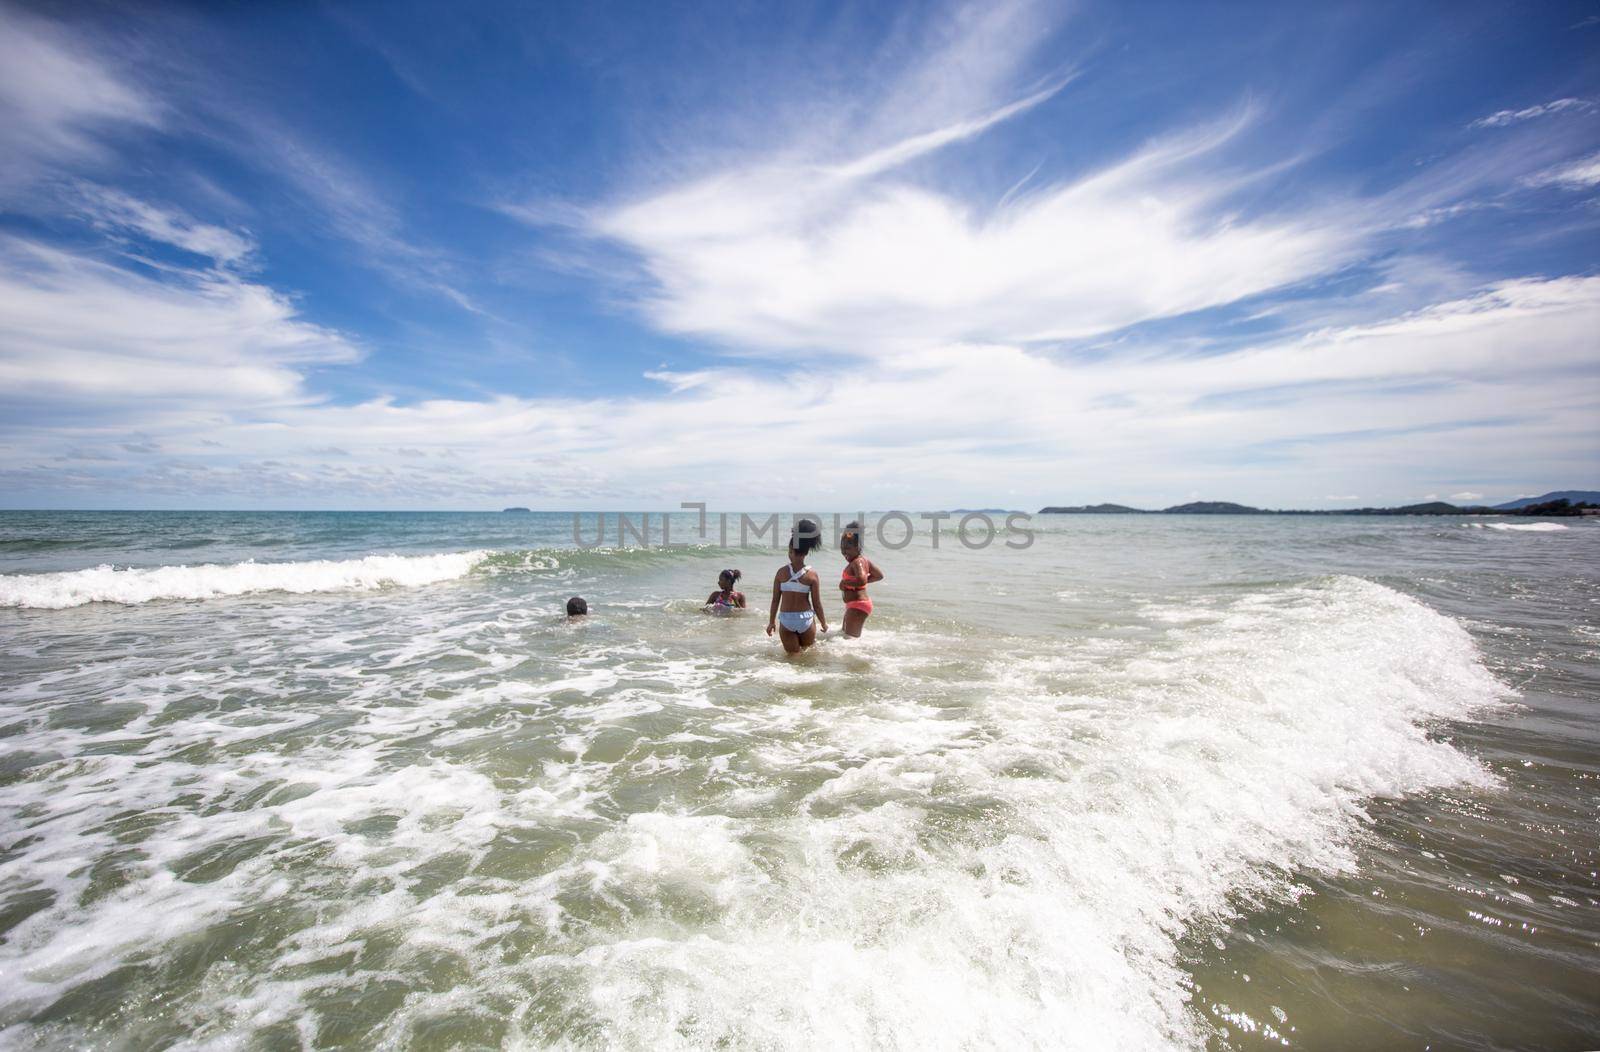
1560, 502
521, 511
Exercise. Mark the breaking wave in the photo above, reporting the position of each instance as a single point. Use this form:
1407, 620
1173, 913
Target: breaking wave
1531, 527
129, 586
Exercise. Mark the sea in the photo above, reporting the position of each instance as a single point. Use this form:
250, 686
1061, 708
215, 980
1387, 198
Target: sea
347, 780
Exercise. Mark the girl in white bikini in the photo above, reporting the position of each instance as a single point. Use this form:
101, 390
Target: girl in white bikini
797, 593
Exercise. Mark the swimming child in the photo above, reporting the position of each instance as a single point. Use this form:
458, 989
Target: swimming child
797, 593
725, 600
859, 571
576, 607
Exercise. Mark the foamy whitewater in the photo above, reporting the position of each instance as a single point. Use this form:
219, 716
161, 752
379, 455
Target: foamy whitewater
109, 584
1150, 783
1529, 527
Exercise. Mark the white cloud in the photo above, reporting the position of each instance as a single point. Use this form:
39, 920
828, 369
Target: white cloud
64, 96
1433, 216
113, 210
1463, 386
1577, 175
849, 244
964, 414
896, 154
837, 234
55, 95
781, 256
1502, 118
1454, 497
958, 63
1515, 328
83, 333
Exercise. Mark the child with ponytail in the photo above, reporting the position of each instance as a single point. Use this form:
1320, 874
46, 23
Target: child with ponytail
725, 600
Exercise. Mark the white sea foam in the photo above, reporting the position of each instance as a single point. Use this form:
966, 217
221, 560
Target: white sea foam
1175, 784
1529, 527
108, 584
966, 841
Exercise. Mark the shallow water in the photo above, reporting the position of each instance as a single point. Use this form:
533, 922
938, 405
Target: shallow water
1150, 782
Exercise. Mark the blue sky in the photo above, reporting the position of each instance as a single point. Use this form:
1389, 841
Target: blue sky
584, 256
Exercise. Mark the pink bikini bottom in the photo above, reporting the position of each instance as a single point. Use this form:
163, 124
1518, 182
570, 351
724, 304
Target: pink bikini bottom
864, 605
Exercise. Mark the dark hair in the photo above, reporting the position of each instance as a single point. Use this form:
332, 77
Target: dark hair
807, 536
851, 535
732, 576
576, 607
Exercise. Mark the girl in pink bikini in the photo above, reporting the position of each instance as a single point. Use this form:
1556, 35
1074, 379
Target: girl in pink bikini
859, 571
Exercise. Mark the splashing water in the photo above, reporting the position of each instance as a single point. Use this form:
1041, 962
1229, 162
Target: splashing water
400, 800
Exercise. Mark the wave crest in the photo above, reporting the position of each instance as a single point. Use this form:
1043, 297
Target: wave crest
131, 586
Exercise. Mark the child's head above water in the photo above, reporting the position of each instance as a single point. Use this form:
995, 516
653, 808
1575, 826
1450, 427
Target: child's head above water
576, 607
850, 540
807, 537
727, 579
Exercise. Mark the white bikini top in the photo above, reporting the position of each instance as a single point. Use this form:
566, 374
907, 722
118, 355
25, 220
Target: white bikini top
794, 584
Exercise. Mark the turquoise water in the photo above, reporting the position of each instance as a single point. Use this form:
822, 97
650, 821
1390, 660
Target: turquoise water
272, 779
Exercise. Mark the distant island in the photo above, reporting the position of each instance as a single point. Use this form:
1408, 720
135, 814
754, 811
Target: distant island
1558, 503
522, 511
1572, 496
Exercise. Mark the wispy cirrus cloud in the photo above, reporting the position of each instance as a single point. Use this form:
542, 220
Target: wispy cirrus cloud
57, 97
851, 255
111, 333
68, 99
364, 214
87, 336
116, 212
1503, 118
794, 246
906, 150
1575, 175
